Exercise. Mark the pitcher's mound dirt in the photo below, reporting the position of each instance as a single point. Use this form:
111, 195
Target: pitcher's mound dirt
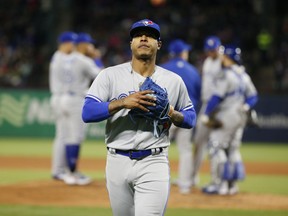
56, 193
95, 195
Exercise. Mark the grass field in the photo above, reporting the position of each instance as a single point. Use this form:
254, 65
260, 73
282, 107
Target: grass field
39, 148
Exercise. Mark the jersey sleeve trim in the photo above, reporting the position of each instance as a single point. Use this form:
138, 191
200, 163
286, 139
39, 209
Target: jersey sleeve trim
94, 97
189, 117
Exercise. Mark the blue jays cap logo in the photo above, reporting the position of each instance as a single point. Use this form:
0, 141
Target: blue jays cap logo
147, 24
212, 43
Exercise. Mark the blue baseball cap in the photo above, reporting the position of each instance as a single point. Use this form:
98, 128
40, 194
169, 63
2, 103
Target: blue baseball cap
145, 24
177, 46
233, 52
212, 43
67, 36
84, 38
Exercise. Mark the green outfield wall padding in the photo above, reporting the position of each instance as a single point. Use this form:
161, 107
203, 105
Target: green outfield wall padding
27, 113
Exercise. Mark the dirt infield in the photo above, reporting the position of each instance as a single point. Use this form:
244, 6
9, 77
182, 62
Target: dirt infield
50, 192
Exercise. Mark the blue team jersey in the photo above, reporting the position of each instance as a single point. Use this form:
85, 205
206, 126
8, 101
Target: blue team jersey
190, 76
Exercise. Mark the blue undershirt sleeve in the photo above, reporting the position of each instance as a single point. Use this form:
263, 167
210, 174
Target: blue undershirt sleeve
99, 62
94, 111
212, 104
252, 100
189, 118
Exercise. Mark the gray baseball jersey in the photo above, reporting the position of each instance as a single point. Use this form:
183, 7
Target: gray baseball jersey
69, 78
211, 69
71, 73
59, 63
250, 88
233, 87
127, 134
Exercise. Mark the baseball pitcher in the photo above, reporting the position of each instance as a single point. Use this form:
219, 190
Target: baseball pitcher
140, 101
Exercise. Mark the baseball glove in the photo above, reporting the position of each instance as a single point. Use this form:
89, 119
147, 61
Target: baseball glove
211, 122
161, 110
214, 123
252, 118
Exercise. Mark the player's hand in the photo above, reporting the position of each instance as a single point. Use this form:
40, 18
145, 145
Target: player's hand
245, 108
211, 122
204, 119
244, 111
93, 52
139, 100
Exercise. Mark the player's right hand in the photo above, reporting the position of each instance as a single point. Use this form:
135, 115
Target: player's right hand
139, 100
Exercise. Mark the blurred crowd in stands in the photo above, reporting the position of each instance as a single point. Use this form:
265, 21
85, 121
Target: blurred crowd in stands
29, 29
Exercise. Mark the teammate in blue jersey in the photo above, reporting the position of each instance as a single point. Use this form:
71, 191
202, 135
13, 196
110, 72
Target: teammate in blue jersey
178, 63
137, 168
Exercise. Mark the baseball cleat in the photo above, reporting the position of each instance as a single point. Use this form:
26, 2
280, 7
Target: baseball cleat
233, 190
69, 179
223, 188
59, 176
211, 189
82, 179
77, 179
185, 190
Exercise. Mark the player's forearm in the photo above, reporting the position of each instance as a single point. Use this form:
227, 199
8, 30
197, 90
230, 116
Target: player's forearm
176, 118
184, 119
95, 111
116, 105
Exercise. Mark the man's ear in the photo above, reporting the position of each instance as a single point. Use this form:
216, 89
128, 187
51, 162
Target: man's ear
159, 45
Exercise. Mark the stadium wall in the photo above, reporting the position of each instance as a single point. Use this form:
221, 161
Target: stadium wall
27, 113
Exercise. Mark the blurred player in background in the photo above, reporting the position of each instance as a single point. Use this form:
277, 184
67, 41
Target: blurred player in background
60, 60
233, 96
178, 63
210, 70
70, 75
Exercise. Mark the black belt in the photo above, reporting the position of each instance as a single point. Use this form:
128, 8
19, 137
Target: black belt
136, 154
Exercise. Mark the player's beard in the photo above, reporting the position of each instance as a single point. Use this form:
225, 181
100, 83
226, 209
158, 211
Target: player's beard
144, 56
